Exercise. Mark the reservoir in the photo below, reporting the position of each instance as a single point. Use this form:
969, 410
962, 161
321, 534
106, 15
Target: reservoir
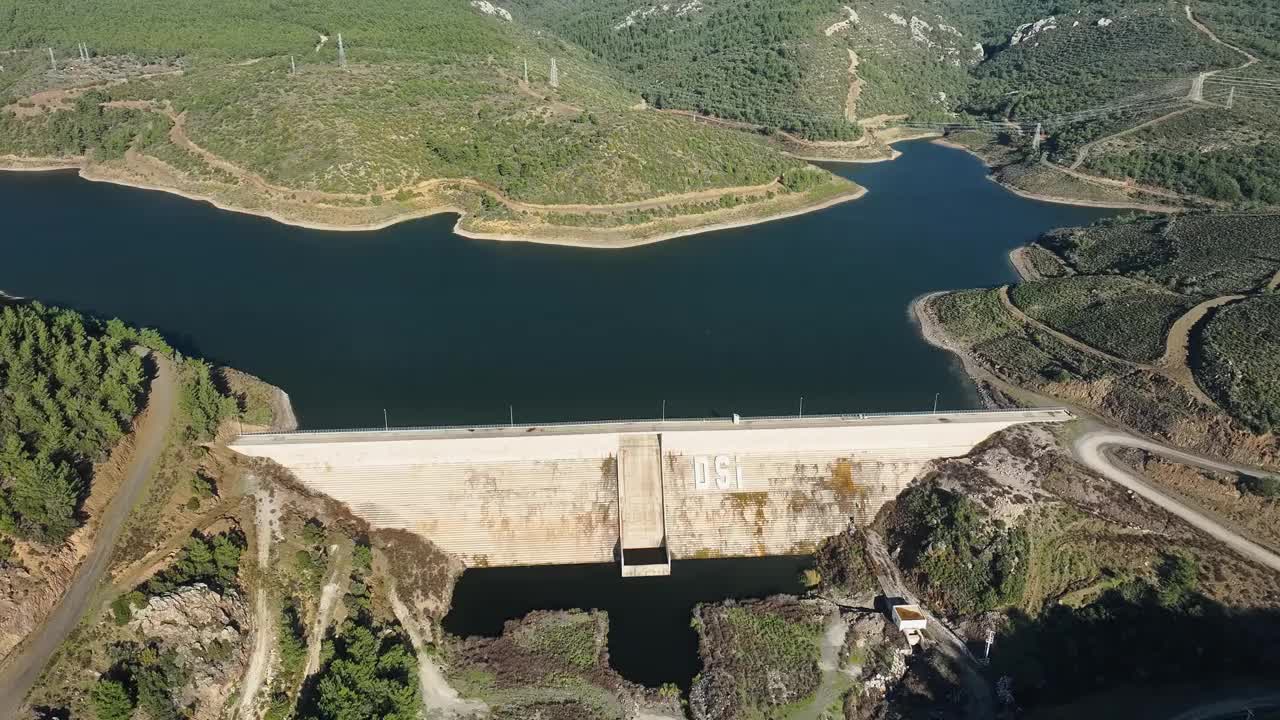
438, 329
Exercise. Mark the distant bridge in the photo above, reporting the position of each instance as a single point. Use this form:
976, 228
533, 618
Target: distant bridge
638, 492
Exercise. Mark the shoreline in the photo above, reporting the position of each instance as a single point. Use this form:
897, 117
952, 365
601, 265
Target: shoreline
931, 332
1022, 265
930, 328
13, 163
894, 153
1058, 199
638, 242
85, 172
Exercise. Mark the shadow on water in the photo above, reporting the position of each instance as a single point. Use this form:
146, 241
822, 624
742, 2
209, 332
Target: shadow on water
650, 640
441, 329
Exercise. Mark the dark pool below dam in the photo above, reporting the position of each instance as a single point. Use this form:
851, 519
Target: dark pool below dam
438, 329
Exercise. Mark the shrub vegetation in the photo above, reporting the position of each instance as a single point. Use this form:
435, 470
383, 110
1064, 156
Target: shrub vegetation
1126, 318
1239, 360
764, 655
964, 560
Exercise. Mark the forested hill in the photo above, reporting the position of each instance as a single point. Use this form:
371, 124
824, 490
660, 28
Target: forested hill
816, 67
758, 61
435, 90
787, 65
70, 387
248, 28
69, 391
425, 91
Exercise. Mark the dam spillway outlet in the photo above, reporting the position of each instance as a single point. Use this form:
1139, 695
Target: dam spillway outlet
638, 493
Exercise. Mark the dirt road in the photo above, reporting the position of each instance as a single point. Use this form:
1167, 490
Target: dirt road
1083, 153
1173, 364
1176, 362
266, 519
439, 700
1090, 449
1196, 95
21, 673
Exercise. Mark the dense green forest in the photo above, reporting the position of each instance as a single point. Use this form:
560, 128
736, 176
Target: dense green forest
747, 60
87, 127
70, 389
244, 28
1234, 174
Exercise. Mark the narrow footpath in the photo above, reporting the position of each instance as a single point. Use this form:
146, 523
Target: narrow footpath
23, 670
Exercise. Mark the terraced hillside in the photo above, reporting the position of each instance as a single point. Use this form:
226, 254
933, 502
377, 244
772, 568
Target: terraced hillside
1164, 325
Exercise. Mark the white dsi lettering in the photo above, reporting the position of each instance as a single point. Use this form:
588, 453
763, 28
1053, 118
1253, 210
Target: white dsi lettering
700, 467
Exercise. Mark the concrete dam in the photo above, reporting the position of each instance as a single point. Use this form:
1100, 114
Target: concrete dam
638, 493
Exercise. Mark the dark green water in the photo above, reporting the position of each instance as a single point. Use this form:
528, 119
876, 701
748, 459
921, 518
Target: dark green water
439, 329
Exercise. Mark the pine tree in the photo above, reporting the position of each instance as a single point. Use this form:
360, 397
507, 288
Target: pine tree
110, 700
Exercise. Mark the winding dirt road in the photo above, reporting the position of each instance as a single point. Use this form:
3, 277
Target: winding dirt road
1176, 362
1196, 97
1083, 153
1090, 449
22, 671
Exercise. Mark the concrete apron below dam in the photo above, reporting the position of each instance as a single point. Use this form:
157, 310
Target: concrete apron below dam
639, 493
